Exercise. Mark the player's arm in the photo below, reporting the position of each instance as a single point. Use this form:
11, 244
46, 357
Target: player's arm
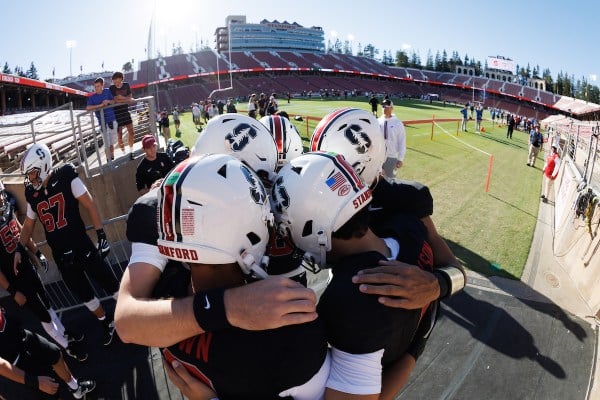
151, 322
267, 304
45, 384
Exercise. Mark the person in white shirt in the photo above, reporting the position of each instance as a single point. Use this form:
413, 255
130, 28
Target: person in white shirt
395, 139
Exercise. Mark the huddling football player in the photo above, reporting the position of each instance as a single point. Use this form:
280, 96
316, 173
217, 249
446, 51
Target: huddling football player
24, 283
29, 358
287, 139
218, 190
357, 136
144, 319
330, 223
53, 196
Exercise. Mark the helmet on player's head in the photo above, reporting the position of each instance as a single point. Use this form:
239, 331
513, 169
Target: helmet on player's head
356, 135
287, 139
36, 158
313, 196
244, 138
213, 209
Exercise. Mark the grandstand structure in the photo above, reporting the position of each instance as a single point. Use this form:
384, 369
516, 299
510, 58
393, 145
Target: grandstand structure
179, 80
19, 94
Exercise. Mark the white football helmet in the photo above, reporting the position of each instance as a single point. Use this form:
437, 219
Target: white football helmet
241, 136
36, 158
356, 135
287, 139
313, 196
213, 209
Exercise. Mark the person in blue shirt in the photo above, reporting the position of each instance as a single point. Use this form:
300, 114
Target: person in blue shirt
465, 117
478, 117
535, 144
108, 121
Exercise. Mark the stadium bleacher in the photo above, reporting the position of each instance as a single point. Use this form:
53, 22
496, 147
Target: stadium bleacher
262, 73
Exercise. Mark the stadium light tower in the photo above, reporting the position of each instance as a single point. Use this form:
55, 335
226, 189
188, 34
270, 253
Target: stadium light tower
70, 44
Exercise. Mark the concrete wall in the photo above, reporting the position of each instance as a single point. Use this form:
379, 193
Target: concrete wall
574, 247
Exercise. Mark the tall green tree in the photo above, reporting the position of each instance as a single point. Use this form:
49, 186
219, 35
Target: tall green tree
32, 72
6, 69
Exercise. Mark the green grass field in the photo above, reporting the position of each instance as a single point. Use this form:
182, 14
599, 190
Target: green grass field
490, 232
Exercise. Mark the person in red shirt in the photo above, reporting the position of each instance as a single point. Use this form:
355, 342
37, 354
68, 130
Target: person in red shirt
550, 171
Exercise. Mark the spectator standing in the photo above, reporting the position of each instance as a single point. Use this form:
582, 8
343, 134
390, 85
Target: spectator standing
535, 143
465, 117
196, 115
121, 93
478, 117
252, 106
511, 126
177, 122
108, 123
27, 358
550, 171
220, 106
164, 123
231, 106
395, 139
154, 165
373, 102
262, 105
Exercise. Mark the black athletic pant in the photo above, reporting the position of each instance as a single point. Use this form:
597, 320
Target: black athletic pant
74, 264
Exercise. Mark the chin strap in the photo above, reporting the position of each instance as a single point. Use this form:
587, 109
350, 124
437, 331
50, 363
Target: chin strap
251, 267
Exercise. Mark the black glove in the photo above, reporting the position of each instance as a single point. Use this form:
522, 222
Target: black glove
416, 347
103, 246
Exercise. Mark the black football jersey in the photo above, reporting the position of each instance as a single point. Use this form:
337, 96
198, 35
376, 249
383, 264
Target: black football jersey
407, 197
255, 365
356, 322
58, 210
9, 235
239, 364
142, 226
11, 337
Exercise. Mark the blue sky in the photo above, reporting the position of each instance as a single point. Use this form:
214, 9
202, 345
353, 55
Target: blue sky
556, 35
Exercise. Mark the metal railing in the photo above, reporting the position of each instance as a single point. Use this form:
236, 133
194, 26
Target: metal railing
74, 136
580, 143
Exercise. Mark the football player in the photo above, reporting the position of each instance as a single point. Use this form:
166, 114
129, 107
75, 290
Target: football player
24, 354
24, 283
330, 223
141, 318
287, 138
218, 190
356, 135
53, 196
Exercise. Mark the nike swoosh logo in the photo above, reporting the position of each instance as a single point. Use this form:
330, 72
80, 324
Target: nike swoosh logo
261, 158
371, 208
149, 170
207, 305
53, 184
